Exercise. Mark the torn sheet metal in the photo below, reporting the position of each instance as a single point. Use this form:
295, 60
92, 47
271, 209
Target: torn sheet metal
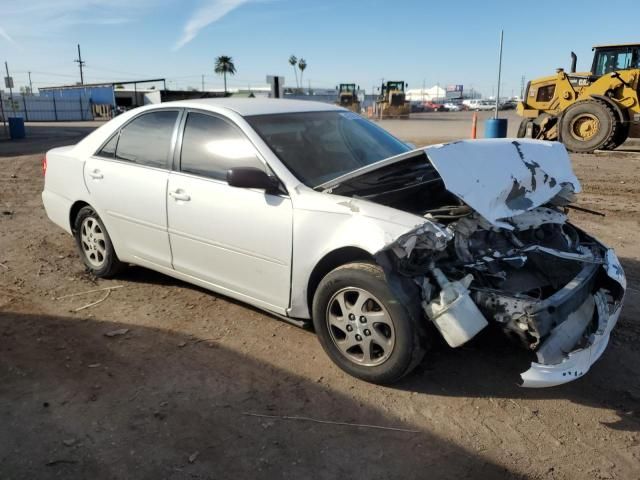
502, 178
429, 236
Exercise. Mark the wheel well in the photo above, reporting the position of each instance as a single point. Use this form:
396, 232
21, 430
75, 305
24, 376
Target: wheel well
621, 114
329, 262
73, 213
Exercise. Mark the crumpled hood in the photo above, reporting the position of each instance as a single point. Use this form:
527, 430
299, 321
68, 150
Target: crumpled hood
502, 178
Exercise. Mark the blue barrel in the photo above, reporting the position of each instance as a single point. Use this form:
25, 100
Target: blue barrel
16, 127
495, 128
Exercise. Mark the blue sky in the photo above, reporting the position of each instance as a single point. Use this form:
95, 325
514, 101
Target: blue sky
342, 41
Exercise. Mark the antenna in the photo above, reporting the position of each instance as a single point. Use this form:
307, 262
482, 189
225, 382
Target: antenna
80, 63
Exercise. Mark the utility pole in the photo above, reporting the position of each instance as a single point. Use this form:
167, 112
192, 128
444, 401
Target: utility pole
522, 88
30, 84
203, 82
80, 63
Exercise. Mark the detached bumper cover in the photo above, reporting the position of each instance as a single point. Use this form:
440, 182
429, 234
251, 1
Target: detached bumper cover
578, 362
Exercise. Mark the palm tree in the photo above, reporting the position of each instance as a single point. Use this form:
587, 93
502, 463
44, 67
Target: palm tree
293, 62
302, 64
224, 65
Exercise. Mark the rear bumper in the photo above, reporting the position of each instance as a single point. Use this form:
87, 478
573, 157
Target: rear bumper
578, 362
57, 208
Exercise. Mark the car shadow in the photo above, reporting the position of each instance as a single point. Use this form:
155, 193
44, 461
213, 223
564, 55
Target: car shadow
151, 403
490, 365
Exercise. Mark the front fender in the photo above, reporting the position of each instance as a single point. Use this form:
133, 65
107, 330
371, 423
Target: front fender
346, 223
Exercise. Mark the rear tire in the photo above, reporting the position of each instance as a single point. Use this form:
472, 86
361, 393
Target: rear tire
94, 244
363, 328
588, 125
522, 129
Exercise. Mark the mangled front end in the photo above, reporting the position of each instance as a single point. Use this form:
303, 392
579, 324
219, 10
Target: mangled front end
507, 255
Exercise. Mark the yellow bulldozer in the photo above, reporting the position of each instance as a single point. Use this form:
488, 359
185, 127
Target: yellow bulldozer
348, 96
392, 102
586, 111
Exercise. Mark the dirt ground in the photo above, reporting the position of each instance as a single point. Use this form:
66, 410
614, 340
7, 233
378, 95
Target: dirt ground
175, 396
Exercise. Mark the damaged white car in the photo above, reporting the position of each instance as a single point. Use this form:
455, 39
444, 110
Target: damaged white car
311, 212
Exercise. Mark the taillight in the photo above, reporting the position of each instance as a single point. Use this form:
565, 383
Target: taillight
44, 165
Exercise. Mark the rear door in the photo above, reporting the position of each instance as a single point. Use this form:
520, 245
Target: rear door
237, 240
127, 179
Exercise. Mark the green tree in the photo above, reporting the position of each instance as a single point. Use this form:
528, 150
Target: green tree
224, 66
293, 61
302, 64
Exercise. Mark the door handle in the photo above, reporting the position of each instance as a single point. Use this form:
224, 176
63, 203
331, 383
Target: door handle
179, 195
96, 174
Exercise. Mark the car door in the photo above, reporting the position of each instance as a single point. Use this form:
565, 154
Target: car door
127, 179
237, 240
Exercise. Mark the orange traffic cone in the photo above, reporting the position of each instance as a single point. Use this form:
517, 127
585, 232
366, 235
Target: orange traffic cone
474, 125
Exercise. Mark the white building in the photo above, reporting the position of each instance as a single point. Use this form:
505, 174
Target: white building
426, 95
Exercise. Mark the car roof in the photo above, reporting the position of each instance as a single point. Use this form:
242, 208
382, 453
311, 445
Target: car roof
254, 106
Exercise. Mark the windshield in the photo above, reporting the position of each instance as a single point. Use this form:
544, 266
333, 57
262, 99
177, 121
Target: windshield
610, 60
320, 146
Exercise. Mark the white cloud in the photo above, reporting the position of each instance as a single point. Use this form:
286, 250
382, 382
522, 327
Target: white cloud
39, 18
6, 36
204, 16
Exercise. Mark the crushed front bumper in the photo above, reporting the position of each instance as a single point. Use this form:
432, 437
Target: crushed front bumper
578, 362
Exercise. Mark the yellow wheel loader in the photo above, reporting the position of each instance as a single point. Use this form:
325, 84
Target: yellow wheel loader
392, 102
586, 111
348, 96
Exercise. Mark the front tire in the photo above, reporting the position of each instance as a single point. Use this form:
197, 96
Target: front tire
94, 244
588, 125
362, 326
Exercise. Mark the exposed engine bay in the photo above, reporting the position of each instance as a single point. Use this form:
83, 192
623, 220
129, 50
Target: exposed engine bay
547, 284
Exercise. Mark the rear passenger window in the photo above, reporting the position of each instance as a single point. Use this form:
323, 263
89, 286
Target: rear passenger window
147, 139
211, 146
109, 149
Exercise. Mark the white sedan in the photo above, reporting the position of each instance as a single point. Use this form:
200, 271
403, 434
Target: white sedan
311, 212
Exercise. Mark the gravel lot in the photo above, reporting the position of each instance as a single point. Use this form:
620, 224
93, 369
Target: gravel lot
175, 396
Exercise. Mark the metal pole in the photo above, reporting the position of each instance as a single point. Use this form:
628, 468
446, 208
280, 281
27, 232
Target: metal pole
55, 109
13, 107
499, 73
30, 84
4, 119
203, 82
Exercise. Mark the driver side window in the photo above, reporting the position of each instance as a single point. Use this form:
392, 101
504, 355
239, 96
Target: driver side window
211, 146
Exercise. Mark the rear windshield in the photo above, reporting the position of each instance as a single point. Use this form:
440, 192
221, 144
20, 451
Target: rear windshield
320, 146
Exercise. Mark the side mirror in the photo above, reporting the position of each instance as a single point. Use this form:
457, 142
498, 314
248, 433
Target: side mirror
250, 177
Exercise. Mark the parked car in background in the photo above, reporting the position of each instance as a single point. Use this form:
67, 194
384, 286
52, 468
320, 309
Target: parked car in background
314, 214
434, 107
478, 104
509, 105
453, 107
